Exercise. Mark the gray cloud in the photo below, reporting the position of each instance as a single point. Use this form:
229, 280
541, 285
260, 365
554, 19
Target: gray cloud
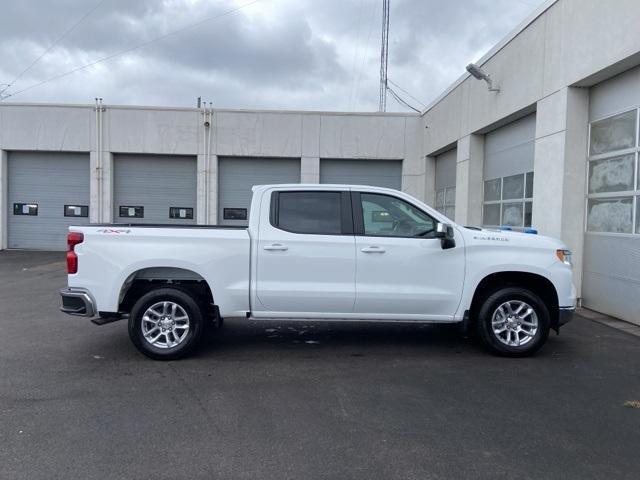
275, 54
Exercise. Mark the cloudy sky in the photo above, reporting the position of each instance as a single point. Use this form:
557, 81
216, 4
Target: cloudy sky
276, 54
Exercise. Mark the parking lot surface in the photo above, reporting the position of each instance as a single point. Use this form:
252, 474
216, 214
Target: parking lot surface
287, 400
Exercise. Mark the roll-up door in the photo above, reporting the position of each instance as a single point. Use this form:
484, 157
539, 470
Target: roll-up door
154, 189
378, 173
47, 192
508, 174
445, 183
611, 271
236, 177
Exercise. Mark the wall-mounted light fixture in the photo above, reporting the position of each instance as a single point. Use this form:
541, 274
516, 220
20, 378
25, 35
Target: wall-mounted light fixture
480, 74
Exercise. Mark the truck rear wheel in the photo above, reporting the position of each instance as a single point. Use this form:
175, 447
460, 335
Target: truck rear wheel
166, 324
513, 322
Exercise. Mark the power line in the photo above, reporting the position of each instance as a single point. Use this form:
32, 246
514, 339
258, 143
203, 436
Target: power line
56, 42
403, 90
384, 56
135, 47
400, 100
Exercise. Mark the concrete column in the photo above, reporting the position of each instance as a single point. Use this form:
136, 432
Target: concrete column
414, 170
101, 188
413, 177
106, 178
213, 190
207, 190
562, 126
469, 179
94, 181
310, 144
4, 198
310, 170
201, 193
430, 181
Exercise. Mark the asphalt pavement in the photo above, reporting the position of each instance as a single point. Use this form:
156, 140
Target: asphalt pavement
288, 400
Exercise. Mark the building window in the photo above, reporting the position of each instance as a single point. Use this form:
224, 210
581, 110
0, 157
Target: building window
613, 176
234, 213
181, 213
446, 201
508, 201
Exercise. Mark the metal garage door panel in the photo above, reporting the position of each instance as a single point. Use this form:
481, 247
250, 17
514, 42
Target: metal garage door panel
51, 180
446, 164
157, 183
378, 173
237, 175
509, 150
611, 275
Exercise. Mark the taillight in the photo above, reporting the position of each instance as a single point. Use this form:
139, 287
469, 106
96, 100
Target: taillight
73, 239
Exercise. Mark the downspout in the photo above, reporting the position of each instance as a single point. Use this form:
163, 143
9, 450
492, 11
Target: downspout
98, 175
100, 179
210, 133
205, 169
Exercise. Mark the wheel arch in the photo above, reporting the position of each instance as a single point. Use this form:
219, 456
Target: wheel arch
538, 284
146, 279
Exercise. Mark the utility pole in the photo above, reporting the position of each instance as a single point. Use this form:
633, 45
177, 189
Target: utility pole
384, 56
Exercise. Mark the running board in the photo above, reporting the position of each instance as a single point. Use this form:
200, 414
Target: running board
110, 319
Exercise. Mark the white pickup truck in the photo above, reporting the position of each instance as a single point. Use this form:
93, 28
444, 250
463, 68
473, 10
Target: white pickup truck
320, 252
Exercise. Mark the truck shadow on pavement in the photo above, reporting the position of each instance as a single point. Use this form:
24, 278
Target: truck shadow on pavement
360, 337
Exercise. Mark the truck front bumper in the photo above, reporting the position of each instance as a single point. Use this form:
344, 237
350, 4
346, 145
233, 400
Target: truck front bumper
77, 301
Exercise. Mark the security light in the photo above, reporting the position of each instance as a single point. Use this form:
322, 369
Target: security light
480, 74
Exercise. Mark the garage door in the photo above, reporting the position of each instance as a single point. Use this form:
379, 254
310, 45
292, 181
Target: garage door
236, 177
508, 174
378, 173
445, 183
47, 192
154, 189
611, 272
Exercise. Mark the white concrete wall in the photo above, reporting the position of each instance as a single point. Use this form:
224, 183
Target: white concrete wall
55, 128
573, 42
174, 131
559, 166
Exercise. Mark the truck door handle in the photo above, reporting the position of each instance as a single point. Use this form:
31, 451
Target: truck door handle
373, 249
276, 247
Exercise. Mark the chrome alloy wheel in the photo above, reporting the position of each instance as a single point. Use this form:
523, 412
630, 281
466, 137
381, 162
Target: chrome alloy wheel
514, 323
165, 324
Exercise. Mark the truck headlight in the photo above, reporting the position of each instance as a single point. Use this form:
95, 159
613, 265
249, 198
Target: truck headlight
564, 256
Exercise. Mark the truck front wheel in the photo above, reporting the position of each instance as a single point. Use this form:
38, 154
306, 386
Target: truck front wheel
166, 324
513, 322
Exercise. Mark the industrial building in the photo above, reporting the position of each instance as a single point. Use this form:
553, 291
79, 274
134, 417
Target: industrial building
554, 145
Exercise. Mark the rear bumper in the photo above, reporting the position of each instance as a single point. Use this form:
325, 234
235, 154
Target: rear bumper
77, 301
565, 315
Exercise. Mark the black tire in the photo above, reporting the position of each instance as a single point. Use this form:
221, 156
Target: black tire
498, 343
190, 339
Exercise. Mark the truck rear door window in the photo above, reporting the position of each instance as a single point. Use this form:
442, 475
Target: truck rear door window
310, 212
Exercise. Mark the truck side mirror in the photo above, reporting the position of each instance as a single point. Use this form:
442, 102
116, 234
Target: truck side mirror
444, 232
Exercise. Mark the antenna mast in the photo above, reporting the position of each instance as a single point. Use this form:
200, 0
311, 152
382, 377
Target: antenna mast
384, 56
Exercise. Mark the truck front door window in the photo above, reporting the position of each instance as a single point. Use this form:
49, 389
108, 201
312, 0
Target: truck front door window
384, 215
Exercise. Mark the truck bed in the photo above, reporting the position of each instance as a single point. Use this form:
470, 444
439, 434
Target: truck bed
112, 254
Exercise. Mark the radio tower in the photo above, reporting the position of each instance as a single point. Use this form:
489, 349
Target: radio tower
384, 56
